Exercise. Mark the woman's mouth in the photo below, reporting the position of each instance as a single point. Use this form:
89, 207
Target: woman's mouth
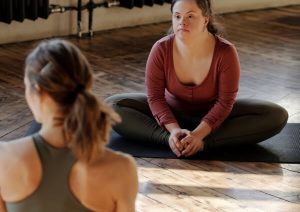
183, 30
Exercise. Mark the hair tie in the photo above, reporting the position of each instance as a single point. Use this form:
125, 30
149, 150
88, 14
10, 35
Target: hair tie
79, 89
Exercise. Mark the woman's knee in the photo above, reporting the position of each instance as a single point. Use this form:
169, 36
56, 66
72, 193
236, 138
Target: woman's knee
267, 116
139, 126
271, 111
273, 117
135, 101
132, 108
116, 98
127, 99
278, 116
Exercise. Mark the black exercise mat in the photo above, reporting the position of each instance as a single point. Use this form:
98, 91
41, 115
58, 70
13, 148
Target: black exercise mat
282, 148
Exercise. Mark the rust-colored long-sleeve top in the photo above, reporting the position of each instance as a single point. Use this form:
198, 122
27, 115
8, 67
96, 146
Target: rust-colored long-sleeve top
214, 97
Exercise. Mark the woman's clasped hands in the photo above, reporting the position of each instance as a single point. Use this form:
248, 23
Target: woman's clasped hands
184, 142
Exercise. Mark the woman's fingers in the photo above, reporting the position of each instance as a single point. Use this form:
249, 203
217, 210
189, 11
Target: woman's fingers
174, 148
179, 145
193, 148
187, 150
187, 139
192, 152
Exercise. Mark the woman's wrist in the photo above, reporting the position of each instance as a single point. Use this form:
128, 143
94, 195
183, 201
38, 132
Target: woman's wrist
172, 126
201, 131
198, 134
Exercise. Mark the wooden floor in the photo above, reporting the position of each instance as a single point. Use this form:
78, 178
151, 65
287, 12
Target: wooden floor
268, 42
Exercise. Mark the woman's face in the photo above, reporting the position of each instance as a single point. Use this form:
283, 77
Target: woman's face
188, 20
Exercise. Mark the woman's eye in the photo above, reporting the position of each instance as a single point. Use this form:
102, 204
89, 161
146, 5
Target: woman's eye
190, 16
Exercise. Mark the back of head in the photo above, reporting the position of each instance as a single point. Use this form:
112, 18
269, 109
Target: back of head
60, 69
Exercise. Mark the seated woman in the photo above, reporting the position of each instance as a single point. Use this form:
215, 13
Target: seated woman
65, 166
192, 80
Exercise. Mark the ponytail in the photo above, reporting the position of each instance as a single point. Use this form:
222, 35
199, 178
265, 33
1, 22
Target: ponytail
87, 125
214, 27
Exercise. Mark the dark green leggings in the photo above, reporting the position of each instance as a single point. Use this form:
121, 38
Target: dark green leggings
250, 121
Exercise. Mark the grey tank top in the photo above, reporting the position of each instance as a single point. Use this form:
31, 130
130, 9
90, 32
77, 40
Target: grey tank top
53, 194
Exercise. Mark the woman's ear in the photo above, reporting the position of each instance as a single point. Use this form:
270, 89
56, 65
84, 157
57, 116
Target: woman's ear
206, 20
39, 91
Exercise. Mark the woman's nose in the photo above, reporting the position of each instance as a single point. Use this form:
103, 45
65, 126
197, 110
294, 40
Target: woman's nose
182, 21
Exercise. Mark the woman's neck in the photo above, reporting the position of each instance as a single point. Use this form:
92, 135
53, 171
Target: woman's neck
51, 131
194, 47
53, 134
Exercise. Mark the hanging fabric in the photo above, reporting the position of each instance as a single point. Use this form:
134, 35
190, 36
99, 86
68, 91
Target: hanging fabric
160, 2
18, 10
31, 9
43, 8
139, 3
6, 11
149, 2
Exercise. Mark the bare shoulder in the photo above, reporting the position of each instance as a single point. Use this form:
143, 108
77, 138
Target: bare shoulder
14, 154
108, 182
119, 160
113, 164
118, 168
125, 184
14, 148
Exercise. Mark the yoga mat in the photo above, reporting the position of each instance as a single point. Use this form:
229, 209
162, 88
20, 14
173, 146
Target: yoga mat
282, 148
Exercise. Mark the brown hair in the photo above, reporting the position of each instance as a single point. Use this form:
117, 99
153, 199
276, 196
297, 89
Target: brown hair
205, 5
60, 69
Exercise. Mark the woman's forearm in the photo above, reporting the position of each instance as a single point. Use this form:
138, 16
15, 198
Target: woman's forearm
202, 130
